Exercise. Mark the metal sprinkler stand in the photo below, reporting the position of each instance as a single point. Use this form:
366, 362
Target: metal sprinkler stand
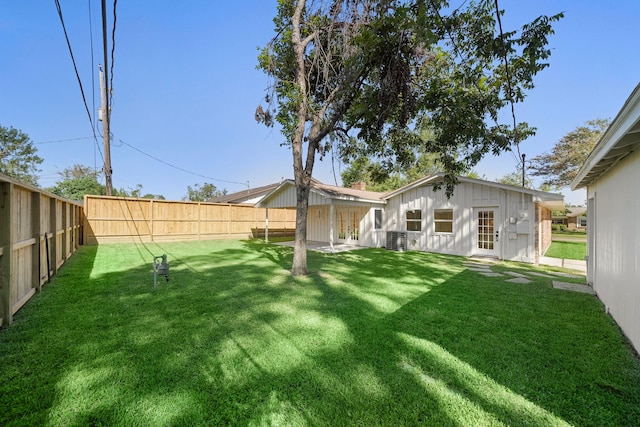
160, 266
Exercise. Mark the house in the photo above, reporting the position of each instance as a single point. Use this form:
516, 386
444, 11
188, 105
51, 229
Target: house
611, 175
574, 218
482, 218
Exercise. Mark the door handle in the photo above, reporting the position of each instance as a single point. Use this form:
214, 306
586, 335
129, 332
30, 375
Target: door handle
497, 235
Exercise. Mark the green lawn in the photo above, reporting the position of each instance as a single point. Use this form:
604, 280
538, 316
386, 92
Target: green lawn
370, 337
567, 250
567, 233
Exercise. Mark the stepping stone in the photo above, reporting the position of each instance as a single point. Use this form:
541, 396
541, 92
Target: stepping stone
519, 280
515, 274
577, 287
490, 274
479, 269
570, 276
535, 273
475, 264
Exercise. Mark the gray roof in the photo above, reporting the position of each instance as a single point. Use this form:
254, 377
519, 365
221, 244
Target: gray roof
244, 195
551, 200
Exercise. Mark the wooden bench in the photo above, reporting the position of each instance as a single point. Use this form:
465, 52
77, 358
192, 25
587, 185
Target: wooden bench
273, 232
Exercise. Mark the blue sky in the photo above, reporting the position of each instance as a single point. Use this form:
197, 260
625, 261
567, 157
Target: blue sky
185, 87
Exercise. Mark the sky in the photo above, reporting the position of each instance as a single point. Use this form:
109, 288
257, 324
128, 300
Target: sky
185, 87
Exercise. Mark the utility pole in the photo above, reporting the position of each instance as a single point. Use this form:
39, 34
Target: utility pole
523, 171
104, 116
106, 110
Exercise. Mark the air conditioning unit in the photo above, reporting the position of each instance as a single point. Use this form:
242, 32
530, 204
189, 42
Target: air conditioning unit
396, 240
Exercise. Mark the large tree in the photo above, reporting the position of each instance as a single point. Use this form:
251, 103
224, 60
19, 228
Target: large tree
382, 177
362, 72
202, 193
18, 157
559, 167
515, 179
76, 181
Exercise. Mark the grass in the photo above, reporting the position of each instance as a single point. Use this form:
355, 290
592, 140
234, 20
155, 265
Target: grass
370, 337
569, 233
567, 250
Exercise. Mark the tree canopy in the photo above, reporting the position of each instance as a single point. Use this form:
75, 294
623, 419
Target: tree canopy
515, 179
79, 180
559, 167
362, 73
18, 157
202, 193
76, 181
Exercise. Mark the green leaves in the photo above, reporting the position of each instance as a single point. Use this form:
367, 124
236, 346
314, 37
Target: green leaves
364, 72
559, 167
18, 157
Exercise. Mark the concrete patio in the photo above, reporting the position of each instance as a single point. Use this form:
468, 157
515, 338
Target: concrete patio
324, 246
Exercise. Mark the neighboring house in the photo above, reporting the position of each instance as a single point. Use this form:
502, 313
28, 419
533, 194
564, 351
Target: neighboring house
249, 196
482, 218
575, 218
611, 175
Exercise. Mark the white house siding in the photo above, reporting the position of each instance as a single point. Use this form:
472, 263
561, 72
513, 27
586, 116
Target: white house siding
285, 198
517, 239
614, 240
318, 223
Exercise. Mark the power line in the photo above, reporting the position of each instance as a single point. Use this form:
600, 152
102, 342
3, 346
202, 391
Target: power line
66, 36
509, 88
113, 48
463, 60
179, 168
93, 89
63, 140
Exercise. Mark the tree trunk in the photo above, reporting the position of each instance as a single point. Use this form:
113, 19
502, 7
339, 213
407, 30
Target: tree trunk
302, 175
299, 265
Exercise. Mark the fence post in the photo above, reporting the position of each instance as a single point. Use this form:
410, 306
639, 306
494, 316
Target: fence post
64, 230
199, 210
36, 277
53, 245
6, 247
151, 208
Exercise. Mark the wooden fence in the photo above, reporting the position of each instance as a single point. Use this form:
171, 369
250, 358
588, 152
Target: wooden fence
38, 233
117, 219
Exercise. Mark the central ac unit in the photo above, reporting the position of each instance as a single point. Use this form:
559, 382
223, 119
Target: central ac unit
396, 240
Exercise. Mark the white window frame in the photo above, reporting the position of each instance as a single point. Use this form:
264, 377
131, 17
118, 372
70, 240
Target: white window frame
416, 222
437, 221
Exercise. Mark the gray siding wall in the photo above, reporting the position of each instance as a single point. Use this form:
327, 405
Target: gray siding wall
614, 240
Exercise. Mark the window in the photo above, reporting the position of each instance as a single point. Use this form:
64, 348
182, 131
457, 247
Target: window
414, 220
377, 219
582, 221
443, 220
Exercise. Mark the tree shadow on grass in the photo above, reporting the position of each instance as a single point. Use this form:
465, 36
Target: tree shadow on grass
369, 337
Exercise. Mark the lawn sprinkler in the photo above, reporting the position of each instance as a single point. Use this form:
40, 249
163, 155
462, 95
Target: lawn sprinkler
161, 267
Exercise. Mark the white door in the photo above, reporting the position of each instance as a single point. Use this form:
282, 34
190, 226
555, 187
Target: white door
487, 241
348, 222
